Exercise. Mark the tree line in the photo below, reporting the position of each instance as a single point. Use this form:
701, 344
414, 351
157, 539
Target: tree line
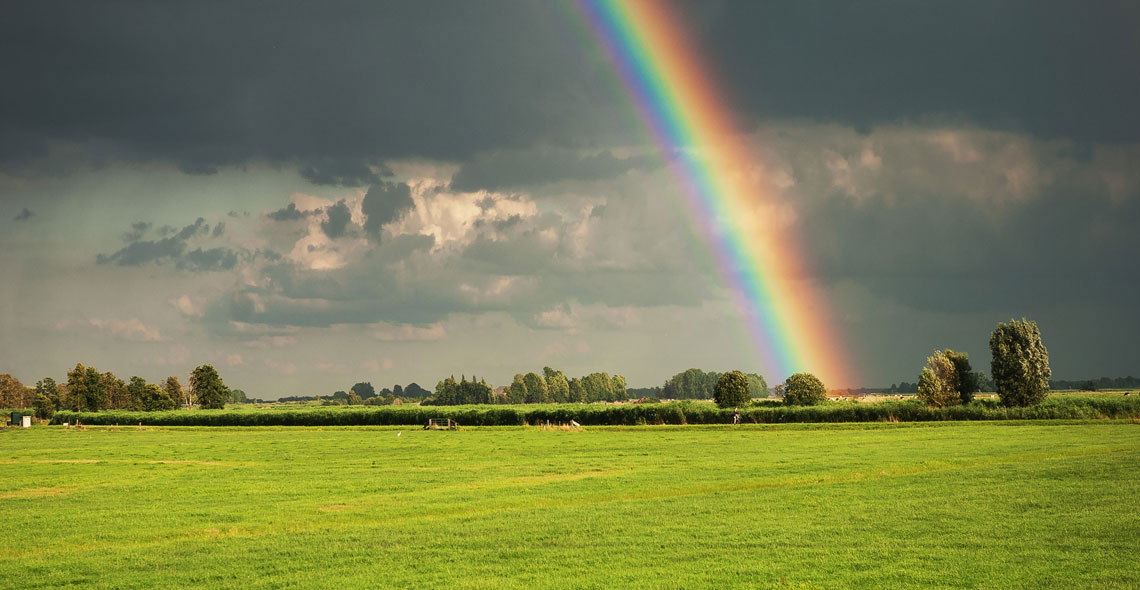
1019, 367
550, 387
89, 390
698, 384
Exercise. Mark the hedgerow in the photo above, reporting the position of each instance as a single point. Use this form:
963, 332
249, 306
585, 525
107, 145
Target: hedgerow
684, 412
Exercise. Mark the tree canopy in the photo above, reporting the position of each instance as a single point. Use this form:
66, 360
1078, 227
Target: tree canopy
1019, 363
804, 389
732, 390
207, 388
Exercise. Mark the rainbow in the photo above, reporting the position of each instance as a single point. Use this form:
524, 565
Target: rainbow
788, 321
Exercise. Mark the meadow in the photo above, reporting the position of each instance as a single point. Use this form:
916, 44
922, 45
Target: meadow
931, 505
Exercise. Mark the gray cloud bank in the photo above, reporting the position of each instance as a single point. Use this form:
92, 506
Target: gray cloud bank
337, 89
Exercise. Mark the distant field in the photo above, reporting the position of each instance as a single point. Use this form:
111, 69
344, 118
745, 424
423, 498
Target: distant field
927, 505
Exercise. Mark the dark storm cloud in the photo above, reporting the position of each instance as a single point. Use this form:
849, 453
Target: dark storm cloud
337, 222
328, 87
171, 249
342, 172
507, 170
288, 213
23, 215
385, 202
1056, 69
334, 86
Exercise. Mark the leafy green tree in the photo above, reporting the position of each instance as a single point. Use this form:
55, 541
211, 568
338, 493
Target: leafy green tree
136, 390
969, 381
577, 391
173, 390
598, 386
536, 390
414, 391
44, 407
364, 389
444, 391
732, 390
207, 387
938, 382
557, 385
804, 389
148, 397
353, 399
757, 387
450, 392
76, 398
1019, 363
48, 388
475, 392
85, 389
617, 388
118, 398
14, 394
690, 384
516, 393
238, 396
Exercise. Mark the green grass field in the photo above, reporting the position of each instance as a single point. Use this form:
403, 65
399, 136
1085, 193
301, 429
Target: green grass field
994, 504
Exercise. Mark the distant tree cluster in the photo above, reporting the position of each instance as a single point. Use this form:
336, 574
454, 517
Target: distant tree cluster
363, 393
450, 392
552, 386
1019, 364
698, 384
948, 380
89, 390
14, 394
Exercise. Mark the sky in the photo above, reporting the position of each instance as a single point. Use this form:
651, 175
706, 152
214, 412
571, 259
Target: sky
308, 195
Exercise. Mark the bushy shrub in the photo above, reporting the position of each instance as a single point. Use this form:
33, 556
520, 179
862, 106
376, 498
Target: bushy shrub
804, 389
